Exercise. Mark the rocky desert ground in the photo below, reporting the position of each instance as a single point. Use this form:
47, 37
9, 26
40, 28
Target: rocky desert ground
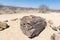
14, 32
12, 17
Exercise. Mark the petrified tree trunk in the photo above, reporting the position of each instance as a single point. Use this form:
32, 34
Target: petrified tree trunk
32, 25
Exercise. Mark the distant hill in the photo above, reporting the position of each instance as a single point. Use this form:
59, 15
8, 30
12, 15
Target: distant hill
12, 9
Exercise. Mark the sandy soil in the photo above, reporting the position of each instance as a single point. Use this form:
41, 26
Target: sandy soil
14, 32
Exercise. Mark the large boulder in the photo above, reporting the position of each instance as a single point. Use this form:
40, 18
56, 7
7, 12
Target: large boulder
32, 25
3, 26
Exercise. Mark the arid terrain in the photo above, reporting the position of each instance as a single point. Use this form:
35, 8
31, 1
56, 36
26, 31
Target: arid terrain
14, 10
14, 32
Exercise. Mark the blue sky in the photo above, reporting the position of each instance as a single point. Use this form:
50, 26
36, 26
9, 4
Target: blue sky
55, 4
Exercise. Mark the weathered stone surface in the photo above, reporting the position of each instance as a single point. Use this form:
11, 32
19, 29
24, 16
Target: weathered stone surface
55, 36
14, 19
3, 26
32, 25
53, 26
5, 21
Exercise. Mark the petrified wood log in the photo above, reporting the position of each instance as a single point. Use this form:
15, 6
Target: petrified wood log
32, 25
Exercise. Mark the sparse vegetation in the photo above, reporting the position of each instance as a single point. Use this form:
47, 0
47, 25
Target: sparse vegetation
11, 9
43, 9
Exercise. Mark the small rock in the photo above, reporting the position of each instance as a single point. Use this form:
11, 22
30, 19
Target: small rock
55, 36
54, 27
3, 26
6, 21
32, 25
14, 19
